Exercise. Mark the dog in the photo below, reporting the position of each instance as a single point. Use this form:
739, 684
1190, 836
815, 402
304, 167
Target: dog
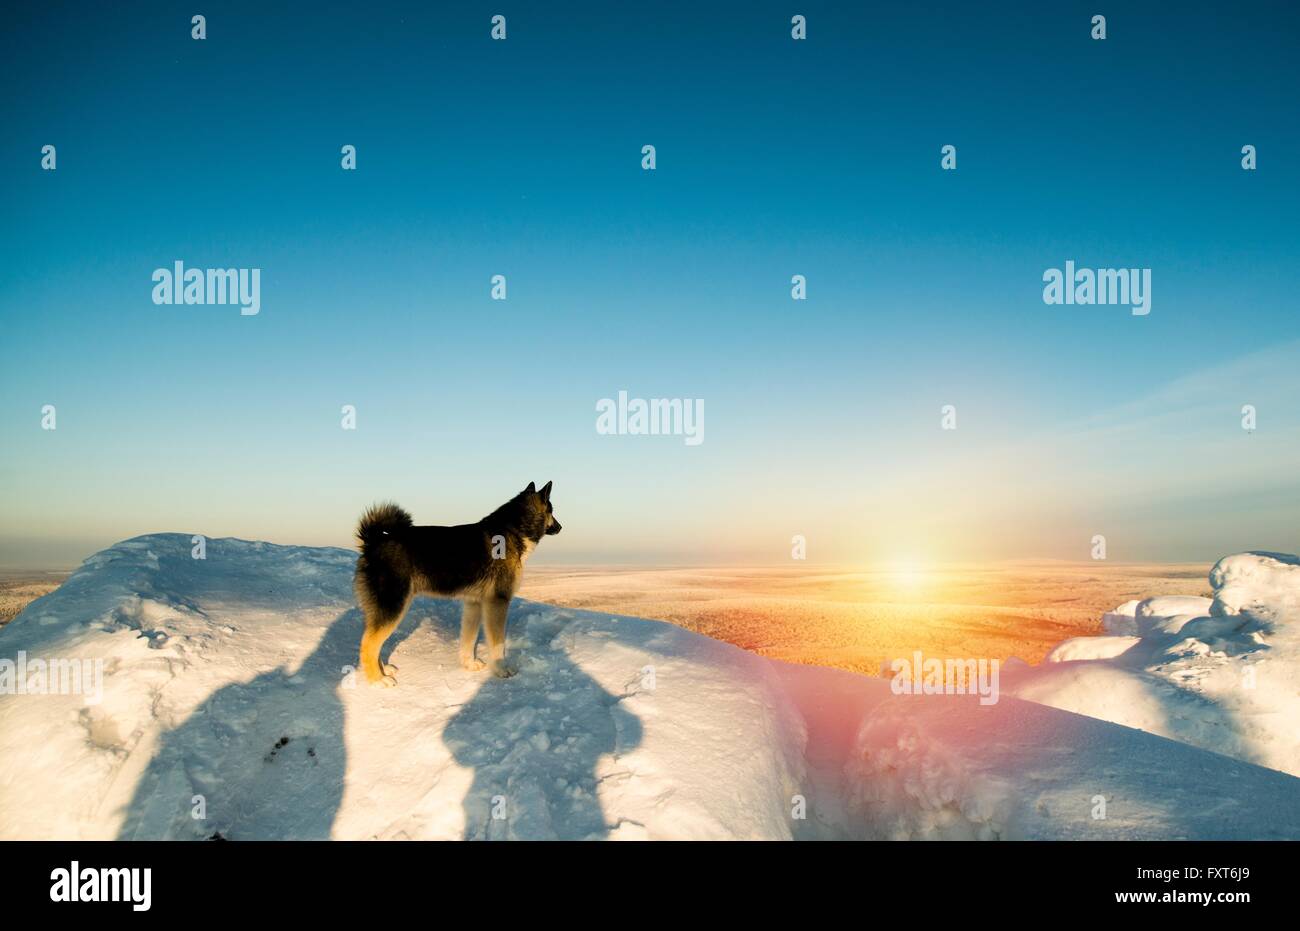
481, 564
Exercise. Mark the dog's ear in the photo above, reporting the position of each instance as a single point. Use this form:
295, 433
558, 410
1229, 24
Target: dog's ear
546, 492
531, 489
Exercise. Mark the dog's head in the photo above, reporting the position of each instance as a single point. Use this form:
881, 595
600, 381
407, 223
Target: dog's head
540, 504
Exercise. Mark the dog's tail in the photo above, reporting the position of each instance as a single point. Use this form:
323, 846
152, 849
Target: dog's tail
381, 520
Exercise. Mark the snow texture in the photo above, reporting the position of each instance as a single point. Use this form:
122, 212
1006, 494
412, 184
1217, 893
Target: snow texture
229, 709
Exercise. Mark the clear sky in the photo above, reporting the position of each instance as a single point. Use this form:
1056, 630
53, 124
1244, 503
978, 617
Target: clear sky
774, 158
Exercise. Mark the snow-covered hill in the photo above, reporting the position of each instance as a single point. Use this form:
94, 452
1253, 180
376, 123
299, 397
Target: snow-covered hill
228, 709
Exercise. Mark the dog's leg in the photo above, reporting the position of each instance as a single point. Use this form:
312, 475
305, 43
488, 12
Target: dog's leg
470, 618
379, 624
495, 629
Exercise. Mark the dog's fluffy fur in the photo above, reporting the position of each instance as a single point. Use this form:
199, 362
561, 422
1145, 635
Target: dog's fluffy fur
481, 564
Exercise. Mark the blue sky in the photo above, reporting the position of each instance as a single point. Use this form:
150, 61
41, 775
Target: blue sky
775, 158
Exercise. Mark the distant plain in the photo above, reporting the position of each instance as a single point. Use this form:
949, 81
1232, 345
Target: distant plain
18, 589
856, 620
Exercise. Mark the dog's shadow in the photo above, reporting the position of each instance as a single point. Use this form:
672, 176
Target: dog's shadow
263, 759
266, 759
535, 741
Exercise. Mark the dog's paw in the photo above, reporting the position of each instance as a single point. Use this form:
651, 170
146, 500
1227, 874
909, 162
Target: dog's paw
471, 664
384, 682
390, 669
503, 670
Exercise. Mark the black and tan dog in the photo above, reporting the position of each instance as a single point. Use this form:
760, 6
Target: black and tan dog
481, 564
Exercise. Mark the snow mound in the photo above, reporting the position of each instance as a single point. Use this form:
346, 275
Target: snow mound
1221, 674
1123, 620
1172, 605
1078, 648
226, 706
229, 709
1261, 586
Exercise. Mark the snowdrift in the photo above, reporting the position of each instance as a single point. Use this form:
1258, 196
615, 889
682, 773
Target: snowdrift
1222, 674
227, 707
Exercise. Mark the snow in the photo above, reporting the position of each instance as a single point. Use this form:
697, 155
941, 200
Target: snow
1017, 771
1077, 648
211, 664
1172, 606
1123, 620
1222, 674
229, 709
1263, 585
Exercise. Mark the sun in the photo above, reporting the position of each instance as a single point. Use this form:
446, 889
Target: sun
908, 575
